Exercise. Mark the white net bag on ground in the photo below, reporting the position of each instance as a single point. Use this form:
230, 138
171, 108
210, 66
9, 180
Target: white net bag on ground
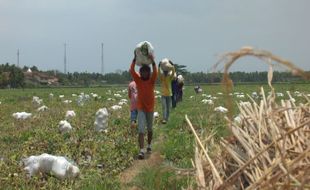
58, 166
101, 122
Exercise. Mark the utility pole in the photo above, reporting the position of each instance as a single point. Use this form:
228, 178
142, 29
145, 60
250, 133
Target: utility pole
17, 57
102, 61
65, 58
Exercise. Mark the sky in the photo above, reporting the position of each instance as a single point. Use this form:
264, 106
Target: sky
192, 33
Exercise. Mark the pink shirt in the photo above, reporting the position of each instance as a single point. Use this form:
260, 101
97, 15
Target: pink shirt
133, 95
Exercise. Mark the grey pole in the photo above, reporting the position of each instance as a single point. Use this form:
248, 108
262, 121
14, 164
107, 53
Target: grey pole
65, 58
17, 57
102, 60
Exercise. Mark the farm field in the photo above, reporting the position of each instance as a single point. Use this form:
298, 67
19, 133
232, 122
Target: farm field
102, 156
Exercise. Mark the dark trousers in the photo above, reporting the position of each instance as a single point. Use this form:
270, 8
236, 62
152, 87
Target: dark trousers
174, 100
179, 97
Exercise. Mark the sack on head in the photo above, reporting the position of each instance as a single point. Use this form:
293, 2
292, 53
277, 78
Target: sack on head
166, 65
142, 52
180, 79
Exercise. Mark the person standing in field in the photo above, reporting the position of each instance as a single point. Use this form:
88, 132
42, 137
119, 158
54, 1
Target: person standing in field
197, 89
180, 91
180, 84
145, 82
166, 77
133, 95
174, 88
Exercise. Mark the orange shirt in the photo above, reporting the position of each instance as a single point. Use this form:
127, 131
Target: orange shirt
146, 97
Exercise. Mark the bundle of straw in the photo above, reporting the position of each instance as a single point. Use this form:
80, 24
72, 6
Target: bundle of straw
270, 145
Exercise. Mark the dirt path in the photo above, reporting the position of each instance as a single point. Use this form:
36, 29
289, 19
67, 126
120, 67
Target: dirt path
150, 160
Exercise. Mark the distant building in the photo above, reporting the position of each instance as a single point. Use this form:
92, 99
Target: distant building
40, 78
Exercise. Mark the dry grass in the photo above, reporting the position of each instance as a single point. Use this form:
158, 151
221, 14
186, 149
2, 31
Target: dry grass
228, 59
269, 148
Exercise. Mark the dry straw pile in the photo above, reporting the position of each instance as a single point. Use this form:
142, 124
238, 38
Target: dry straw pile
269, 148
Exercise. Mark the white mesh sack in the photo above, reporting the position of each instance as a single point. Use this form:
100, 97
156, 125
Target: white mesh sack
42, 108
156, 114
101, 122
180, 79
165, 65
64, 126
21, 115
70, 114
58, 166
36, 101
142, 52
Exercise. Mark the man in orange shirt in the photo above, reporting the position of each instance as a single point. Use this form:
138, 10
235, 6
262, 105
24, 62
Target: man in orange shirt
146, 99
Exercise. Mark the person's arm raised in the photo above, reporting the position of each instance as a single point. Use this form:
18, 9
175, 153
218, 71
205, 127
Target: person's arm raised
173, 72
133, 73
155, 71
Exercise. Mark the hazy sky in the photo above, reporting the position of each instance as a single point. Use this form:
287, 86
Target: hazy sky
191, 33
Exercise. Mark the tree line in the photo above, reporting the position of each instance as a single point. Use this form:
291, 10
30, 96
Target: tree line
13, 76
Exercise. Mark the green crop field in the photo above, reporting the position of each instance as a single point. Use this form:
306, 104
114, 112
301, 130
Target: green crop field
101, 157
